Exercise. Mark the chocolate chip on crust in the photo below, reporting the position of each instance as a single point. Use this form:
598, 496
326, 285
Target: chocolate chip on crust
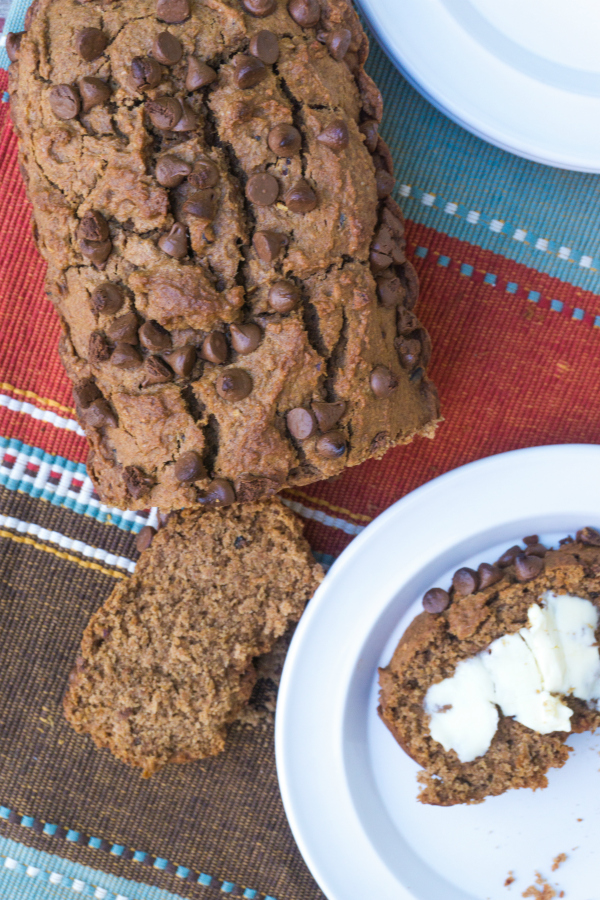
436, 600
265, 46
528, 567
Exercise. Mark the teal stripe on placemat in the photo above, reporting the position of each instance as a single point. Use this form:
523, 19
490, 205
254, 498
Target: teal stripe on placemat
520, 204
28, 874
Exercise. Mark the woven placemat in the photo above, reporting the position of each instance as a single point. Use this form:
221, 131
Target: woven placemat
508, 260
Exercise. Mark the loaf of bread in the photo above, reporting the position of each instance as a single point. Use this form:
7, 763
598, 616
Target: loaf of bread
213, 202
496, 614
166, 663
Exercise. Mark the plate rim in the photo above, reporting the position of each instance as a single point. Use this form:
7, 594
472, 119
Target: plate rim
466, 119
284, 720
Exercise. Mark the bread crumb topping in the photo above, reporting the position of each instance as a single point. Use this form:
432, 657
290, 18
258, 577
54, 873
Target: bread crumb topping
524, 675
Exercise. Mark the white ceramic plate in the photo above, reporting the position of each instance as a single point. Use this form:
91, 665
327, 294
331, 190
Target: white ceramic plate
522, 74
349, 790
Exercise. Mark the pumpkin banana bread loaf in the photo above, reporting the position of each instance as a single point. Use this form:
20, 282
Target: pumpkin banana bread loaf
213, 202
166, 663
485, 688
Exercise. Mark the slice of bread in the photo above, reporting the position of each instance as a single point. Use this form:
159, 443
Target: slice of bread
435, 643
166, 662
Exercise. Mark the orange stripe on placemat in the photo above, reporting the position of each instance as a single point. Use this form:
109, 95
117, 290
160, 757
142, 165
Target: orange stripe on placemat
40, 402
19, 539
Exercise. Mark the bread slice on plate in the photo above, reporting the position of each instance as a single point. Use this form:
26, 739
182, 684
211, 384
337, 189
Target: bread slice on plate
484, 689
166, 663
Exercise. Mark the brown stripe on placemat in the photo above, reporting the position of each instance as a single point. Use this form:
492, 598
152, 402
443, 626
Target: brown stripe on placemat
222, 816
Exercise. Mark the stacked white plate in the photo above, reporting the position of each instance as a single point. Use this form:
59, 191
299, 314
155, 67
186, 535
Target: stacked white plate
349, 791
522, 74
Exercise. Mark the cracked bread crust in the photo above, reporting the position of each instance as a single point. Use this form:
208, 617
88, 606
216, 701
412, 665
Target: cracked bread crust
192, 248
166, 663
431, 648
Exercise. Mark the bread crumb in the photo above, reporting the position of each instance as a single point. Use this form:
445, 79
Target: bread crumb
545, 891
510, 878
558, 861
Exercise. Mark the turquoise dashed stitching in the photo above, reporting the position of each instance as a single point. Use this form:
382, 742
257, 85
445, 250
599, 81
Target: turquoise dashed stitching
499, 226
223, 886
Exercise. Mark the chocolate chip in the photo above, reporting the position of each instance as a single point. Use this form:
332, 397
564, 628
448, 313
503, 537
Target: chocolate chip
531, 539
94, 92
338, 43
164, 113
265, 46
106, 299
488, 575
260, 8
305, 12
411, 284
385, 183
336, 136
409, 352
99, 413
173, 11
589, 535
205, 174
124, 356
214, 348
200, 204
162, 518
97, 252
536, 550
198, 75
171, 170
156, 371
85, 393
245, 338
249, 71
284, 140
90, 43
380, 263
188, 121
136, 481
167, 48
99, 349
154, 337
93, 226
146, 72
416, 376
219, 493
64, 101
328, 414
182, 360
283, 296
300, 198
240, 542
390, 291
144, 538
406, 321
13, 44
269, 244
124, 329
262, 189
331, 445
189, 467
465, 581
301, 423
509, 556
174, 243
528, 567
370, 129
383, 382
234, 385
436, 600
